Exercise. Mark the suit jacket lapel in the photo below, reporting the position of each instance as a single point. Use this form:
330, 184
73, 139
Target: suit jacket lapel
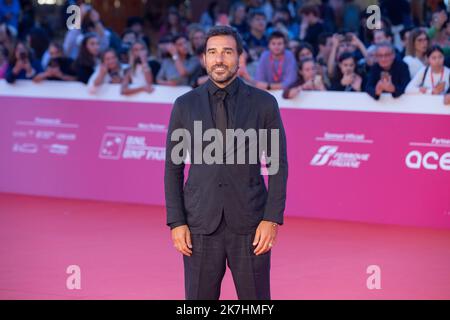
204, 108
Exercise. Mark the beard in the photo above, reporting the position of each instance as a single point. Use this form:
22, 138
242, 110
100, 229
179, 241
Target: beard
223, 77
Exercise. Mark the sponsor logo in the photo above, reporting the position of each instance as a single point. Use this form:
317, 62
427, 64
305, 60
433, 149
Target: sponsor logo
429, 159
331, 156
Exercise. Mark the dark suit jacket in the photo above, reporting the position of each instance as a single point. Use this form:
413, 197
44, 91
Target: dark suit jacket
238, 189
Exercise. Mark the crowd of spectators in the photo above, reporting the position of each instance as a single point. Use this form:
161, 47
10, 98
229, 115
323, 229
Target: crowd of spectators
290, 45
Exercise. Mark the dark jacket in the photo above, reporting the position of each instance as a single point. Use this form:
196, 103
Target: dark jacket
399, 74
237, 189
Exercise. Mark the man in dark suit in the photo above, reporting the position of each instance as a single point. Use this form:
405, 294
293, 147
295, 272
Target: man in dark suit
224, 214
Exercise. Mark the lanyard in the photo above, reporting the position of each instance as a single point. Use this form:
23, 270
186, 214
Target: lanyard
276, 73
432, 78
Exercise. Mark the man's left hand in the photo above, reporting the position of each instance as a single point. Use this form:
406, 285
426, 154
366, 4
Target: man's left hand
265, 237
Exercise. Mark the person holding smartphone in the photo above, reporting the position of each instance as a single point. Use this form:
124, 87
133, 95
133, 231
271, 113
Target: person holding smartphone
59, 68
138, 77
21, 64
308, 79
434, 78
110, 70
388, 75
346, 78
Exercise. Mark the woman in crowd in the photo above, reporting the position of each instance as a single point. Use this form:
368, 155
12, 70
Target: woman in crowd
308, 79
88, 57
434, 78
416, 50
345, 77
197, 38
177, 68
173, 24
22, 64
138, 77
304, 50
58, 68
110, 70
345, 43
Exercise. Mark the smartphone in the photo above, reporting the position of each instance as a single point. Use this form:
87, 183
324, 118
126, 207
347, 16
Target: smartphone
317, 79
385, 75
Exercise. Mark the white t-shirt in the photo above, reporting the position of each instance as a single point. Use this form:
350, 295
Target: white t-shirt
414, 65
92, 88
415, 83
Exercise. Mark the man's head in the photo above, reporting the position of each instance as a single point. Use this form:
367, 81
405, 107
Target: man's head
382, 35
277, 43
257, 20
385, 55
181, 43
223, 47
310, 13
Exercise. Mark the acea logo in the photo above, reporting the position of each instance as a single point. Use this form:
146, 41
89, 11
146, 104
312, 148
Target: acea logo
331, 156
424, 158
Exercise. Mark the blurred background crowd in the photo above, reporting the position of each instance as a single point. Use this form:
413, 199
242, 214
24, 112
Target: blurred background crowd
290, 45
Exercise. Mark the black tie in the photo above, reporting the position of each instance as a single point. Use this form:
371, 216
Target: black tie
221, 114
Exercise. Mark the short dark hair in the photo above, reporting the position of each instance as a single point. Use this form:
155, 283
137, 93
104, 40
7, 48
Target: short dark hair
179, 36
134, 20
322, 38
310, 9
256, 12
277, 35
345, 56
434, 48
225, 31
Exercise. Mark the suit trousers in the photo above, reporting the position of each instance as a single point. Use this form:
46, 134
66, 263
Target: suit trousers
205, 268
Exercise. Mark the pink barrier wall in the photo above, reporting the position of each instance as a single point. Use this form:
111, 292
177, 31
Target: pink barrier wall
382, 167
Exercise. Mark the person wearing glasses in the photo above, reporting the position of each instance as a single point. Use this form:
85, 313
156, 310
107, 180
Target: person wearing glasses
388, 75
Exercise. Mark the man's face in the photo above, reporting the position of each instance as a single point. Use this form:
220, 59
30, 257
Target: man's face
385, 57
258, 23
182, 46
276, 46
221, 58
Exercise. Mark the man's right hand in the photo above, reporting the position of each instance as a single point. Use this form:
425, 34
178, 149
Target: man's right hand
181, 237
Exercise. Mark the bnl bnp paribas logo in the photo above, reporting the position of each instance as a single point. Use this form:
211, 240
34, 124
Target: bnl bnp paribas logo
331, 154
433, 155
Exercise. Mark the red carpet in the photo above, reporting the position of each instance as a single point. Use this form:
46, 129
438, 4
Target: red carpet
125, 252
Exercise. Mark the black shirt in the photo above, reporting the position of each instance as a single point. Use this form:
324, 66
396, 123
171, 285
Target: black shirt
230, 99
